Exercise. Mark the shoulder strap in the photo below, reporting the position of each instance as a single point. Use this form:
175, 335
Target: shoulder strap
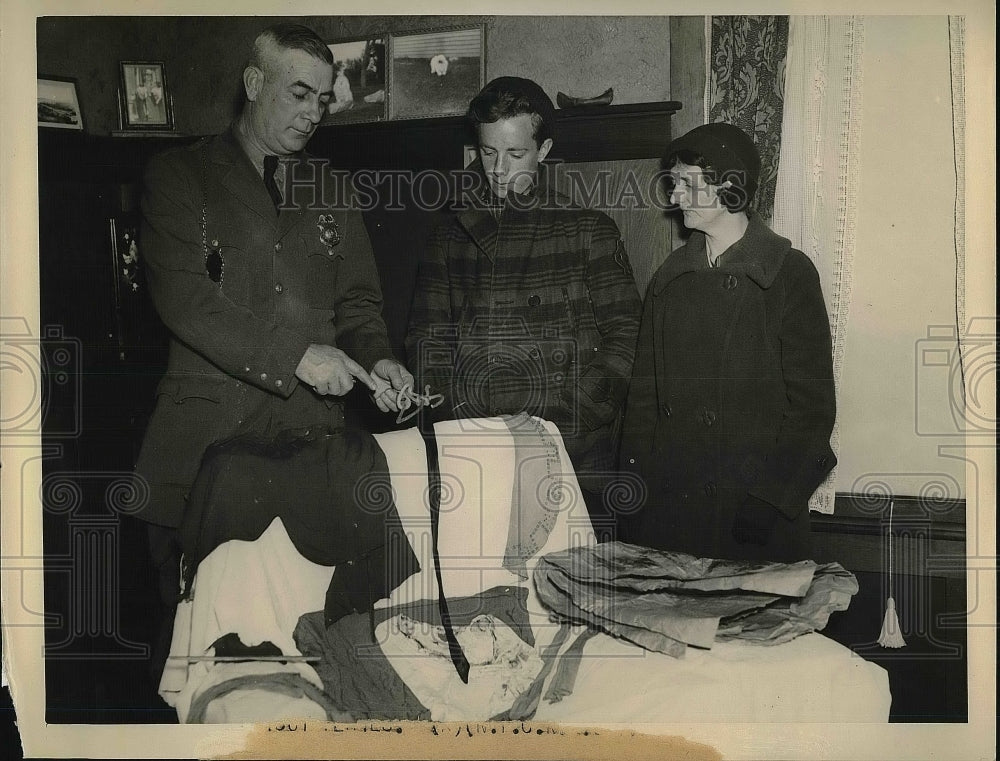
434, 497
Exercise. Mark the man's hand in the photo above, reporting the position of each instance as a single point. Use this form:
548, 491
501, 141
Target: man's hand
389, 376
330, 371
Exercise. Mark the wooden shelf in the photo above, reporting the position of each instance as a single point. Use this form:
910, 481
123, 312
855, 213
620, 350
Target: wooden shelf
586, 133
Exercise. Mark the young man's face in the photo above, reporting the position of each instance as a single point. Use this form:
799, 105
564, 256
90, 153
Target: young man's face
697, 199
289, 99
510, 154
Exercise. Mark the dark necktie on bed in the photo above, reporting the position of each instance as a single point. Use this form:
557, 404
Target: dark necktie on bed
270, 167
426, 428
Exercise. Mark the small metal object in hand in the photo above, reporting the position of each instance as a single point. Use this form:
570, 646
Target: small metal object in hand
407, 398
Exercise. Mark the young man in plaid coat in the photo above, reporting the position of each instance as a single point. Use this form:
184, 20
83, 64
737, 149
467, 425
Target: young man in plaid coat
525, 303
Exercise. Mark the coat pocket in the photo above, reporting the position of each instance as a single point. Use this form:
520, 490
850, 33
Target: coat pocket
182, 389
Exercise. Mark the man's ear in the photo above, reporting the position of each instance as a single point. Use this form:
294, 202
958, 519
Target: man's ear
253, 81
544, 148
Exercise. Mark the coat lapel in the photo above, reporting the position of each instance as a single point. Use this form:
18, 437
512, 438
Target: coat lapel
241, 180
482, 228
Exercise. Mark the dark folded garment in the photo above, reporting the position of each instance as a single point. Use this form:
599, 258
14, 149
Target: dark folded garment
333, 495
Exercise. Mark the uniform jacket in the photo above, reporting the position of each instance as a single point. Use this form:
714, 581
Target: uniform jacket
530, 309
236, 343
732, 394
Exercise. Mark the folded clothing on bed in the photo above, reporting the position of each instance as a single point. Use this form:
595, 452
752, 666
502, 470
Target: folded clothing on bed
665, 601
331, 491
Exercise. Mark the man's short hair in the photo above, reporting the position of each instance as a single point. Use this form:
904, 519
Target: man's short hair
289, 37
507, 97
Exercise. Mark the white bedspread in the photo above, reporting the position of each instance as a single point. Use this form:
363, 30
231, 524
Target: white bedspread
258, 590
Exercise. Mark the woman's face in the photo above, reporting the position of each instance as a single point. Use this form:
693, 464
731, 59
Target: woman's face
697, 199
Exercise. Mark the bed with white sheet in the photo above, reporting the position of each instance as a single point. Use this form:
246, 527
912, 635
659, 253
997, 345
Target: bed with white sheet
259, 591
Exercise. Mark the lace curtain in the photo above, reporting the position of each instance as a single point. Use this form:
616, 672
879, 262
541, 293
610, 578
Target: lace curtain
746, 85
816, 199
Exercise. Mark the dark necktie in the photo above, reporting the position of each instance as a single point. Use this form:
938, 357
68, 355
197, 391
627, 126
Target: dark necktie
270, 166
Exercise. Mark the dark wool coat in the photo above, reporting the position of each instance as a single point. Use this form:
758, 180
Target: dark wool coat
732, 394
531, 309
236, 343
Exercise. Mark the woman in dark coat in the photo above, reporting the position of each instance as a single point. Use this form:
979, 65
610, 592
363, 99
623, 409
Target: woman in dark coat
731, 402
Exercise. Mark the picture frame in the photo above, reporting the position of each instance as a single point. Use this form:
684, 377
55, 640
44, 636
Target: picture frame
58, 103
144, 101
360, 86
436, 72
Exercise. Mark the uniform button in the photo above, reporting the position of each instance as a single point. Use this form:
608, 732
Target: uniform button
709, 417
279, 383
710, 489
534, 300
730, 282
666, 410
558, 377
278, 288
263, 376
215, 242
631, 461
277, 247
246, 369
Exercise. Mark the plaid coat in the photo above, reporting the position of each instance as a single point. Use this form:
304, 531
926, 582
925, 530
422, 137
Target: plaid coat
532, 308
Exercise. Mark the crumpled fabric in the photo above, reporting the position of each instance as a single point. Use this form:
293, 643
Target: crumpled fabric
503, 666
665, 601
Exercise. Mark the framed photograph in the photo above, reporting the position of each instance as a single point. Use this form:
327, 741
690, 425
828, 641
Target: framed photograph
359, 86
58, 104
144, 99
436, 73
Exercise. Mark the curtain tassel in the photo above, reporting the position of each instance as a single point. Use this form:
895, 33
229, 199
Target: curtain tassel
891, 634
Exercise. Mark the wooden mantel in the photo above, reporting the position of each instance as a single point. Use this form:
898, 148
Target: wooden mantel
589, 133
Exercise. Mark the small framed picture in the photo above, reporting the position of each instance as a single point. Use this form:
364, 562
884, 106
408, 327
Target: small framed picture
58, 103
359, 85
144, 99
436, 73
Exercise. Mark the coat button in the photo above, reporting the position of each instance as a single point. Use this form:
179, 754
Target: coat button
534, 300
710, 489
278, 288
277, 247
708, 417
263, 376
557, 377
730, 282
246, 369
631, 461
279, 383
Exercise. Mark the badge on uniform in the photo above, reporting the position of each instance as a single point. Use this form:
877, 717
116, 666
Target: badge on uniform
329, 232
621, 258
